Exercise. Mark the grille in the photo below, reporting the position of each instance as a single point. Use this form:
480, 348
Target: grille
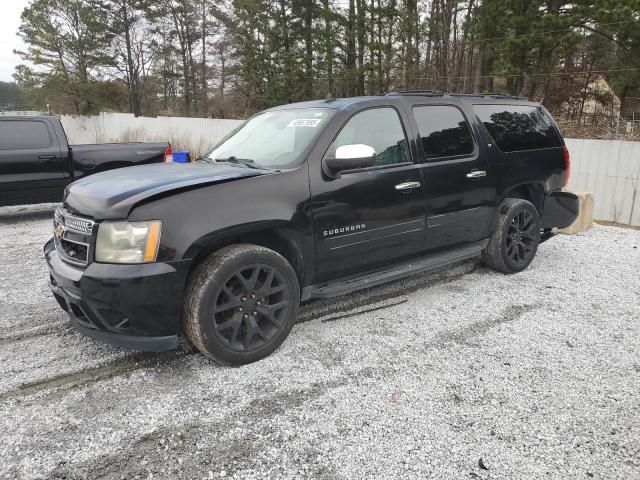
70, 222
73, 237
84, 226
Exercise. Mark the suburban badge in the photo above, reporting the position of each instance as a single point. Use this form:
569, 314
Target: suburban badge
347, 229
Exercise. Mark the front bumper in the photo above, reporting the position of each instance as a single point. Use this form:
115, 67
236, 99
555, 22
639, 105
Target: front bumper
560, 210
136, 306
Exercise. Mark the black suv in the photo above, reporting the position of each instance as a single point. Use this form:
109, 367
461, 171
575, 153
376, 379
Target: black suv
313, 199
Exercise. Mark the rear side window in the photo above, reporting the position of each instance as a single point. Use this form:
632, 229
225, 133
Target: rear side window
444, 132
518, 127
379, 128
22, 134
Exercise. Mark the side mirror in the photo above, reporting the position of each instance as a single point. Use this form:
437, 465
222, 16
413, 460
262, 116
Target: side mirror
350, 157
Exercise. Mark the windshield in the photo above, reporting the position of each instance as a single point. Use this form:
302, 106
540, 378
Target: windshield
275, 139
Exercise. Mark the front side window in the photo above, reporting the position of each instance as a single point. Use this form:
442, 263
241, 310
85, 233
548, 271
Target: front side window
19, 134
379, 128
444, 132
518, 127
273, 139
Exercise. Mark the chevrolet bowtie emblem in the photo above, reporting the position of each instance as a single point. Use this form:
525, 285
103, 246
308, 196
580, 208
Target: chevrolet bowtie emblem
58, 231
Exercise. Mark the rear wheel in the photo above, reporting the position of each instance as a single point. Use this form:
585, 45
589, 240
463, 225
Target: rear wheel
241, 303
515, 237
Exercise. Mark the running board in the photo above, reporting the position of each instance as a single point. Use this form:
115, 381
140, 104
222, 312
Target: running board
393, 272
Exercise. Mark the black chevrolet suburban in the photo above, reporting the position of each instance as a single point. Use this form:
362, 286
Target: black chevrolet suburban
37, 162
308, 200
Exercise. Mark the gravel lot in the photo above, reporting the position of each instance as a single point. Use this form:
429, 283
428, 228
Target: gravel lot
474, 374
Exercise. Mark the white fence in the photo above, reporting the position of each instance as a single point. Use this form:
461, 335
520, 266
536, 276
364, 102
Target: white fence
610, 169
192, 134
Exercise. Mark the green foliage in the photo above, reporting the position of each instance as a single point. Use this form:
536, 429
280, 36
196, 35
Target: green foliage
233, 57
69, 40
10, 96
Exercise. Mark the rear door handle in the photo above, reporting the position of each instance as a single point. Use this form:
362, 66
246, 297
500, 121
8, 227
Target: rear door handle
46, 157
407, 186
477, 174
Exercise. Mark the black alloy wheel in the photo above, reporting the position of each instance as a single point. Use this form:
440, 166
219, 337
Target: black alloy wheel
241, 303
522, 238
251, 307
515, 237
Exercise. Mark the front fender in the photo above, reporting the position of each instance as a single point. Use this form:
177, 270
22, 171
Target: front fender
277, 236
197, 220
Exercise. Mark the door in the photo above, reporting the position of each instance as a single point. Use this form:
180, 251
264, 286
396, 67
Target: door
458, 189
32, 167
371, 216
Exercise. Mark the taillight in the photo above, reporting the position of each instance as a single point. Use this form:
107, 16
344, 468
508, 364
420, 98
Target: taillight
168, 154
567, 165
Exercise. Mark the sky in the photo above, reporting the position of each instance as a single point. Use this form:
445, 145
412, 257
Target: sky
9, 23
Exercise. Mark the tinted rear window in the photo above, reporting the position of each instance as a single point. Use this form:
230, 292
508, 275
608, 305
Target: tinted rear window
518, 127
19, 134
444, 132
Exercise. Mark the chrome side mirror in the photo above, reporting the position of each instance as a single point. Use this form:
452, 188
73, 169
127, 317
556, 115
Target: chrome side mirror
350, 157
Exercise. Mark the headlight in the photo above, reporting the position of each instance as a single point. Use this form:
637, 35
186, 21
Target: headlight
128, 242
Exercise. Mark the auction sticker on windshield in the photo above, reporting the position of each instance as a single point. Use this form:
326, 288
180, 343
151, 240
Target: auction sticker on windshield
305, 122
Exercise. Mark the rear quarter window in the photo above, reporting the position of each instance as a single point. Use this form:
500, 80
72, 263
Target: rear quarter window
518, 127
23, 134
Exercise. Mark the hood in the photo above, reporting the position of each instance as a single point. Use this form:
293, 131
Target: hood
114, 193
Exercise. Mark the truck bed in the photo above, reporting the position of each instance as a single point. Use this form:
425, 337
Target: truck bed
88, 159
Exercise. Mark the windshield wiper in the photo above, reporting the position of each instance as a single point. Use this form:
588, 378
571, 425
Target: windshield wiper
240, 161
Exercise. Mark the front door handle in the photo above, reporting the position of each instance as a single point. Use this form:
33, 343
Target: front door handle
477, 174
407, 186
46, 157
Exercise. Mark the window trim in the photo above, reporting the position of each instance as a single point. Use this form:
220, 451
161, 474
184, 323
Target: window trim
32, 120
464, 157
553, 124
375, 167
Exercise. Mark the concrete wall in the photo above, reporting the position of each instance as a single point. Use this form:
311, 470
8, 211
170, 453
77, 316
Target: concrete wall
194, 134
610, 169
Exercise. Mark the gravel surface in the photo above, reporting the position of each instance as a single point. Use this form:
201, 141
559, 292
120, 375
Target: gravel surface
466, 373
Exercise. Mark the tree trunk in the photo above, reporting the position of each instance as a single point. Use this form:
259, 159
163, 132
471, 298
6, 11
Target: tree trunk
308, 41
329, 46
351, 49
203, 61
361, 34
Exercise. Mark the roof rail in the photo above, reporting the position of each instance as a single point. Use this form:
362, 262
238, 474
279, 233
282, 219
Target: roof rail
437, 93
492, 95
416, 92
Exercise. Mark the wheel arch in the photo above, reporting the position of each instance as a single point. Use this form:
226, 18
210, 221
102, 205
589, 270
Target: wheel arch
532, 192
279, 237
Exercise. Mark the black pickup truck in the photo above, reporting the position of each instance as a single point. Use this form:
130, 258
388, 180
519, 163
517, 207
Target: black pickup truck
314, 199
37, 163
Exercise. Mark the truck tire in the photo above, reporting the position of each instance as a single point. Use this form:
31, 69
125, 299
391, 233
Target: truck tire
515, 237
241, 303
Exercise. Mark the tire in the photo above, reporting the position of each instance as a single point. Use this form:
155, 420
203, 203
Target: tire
240, 304
515, 237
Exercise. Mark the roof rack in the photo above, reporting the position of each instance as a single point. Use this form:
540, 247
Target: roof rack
416, 92
491, 95
437, 93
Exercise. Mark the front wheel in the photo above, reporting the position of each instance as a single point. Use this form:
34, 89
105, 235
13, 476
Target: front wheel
241, 304
515, 237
